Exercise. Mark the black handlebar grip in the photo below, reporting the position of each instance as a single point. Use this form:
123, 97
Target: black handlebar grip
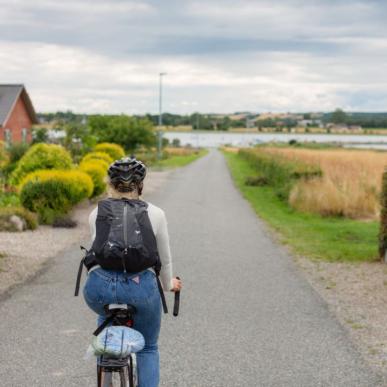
176, 305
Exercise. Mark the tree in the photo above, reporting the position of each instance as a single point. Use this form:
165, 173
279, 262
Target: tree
224, 124
39, 135
130, 132
79, 139
339, 117
176, 142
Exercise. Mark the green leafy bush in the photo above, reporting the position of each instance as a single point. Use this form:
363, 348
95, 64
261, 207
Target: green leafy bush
9, 199
130, 132
256, 181
16, 152
115, 151
97, 171
6, 213
278, 172
51, 193
41, 156
98, 156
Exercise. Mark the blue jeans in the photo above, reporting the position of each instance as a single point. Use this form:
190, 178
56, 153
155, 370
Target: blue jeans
110, 287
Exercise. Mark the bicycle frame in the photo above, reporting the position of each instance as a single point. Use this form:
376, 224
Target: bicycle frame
117, 314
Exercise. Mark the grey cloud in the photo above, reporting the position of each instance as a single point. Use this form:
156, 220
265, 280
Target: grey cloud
218, 53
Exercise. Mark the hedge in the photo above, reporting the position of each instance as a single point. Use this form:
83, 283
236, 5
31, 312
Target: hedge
97, 171
100, 162
53, 192
98, 156
41, 156
115, 151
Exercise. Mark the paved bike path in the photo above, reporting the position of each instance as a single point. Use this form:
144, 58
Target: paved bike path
248, 316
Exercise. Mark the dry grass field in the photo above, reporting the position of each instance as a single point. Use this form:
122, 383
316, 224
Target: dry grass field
350, 185
171, 151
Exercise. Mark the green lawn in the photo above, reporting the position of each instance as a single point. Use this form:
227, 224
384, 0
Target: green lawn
332, 239
179, 161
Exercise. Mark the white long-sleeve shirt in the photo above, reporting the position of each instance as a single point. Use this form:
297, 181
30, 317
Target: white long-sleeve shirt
160, 229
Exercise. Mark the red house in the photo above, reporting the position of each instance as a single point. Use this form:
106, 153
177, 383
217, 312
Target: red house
17, 115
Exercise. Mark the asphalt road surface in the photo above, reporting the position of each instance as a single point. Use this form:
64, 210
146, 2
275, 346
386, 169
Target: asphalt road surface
248, 317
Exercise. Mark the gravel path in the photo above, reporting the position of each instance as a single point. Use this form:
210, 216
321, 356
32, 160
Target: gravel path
248, 317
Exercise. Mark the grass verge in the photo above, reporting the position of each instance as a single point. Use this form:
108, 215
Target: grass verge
179, 161
332, 239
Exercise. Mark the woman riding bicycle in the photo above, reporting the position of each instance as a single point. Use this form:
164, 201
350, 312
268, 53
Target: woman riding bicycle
121, 286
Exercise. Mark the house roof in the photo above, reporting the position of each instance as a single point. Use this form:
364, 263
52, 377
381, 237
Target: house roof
9, 94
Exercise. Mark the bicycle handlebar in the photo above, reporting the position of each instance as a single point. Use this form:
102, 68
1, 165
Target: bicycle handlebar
176, 305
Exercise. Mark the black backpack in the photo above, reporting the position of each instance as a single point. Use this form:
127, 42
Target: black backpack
124, 236
124, 240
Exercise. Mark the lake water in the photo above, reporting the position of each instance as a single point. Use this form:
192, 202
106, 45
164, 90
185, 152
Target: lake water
215, 139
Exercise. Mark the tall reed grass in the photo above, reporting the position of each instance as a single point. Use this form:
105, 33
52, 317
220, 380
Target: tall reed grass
350, 185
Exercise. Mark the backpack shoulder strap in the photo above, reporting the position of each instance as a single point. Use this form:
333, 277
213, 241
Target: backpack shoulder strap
161, 291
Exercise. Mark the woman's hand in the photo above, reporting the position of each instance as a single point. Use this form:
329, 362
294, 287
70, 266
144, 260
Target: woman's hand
176, 285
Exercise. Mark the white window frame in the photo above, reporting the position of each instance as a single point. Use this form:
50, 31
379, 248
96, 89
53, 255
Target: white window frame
24, 135
8, 137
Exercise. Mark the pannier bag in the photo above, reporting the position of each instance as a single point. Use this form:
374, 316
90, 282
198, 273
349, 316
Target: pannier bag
118, 342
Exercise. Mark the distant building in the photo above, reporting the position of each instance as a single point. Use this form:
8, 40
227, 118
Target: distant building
17, 114
312, 122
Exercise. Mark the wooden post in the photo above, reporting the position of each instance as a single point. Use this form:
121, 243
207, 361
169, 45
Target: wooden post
383, 220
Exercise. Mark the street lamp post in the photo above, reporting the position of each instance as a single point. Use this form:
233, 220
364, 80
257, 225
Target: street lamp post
159, 132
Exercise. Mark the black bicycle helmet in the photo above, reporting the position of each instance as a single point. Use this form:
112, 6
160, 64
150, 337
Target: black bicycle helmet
127, 170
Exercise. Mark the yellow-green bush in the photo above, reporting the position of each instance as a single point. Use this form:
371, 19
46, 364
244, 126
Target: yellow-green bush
4, 157
100, 162
53, 192
6, 213
115, 151
41, 156
97, 171
98, 156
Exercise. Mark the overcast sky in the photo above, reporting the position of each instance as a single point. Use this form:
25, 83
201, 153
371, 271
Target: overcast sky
220, 56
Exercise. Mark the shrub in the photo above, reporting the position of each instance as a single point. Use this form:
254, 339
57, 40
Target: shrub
41, 156
64, 221
97, 171
9, 199
7, 212
98, 156
256, 181
115, 151
102, 163
280, 173
16, 152
53, 192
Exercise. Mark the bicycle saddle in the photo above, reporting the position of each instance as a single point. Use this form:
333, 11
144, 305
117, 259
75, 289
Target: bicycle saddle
112, 308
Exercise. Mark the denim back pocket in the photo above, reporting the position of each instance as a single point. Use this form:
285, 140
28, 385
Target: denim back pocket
96, 289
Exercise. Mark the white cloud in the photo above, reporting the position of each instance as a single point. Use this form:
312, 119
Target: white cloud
105, 56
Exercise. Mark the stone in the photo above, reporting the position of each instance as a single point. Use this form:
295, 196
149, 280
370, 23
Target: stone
18, 222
